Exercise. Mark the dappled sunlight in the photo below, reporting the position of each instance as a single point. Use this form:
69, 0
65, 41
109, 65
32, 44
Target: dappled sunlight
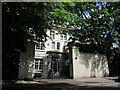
89, 64
61, 84
26, 62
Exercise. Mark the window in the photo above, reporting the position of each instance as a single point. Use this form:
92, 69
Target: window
58, 45
52, 34
65, 37
36, 65
61, 37
39, 64
53, 45
40, 46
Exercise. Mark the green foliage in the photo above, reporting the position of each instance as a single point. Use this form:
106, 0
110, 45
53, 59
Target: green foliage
98, 24
26, 18
101, 27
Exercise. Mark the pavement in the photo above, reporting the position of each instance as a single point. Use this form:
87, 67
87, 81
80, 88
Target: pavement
63, 84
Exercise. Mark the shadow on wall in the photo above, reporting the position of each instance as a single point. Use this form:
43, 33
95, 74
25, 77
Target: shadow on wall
26, 62
95, 63
26, 68
114, 65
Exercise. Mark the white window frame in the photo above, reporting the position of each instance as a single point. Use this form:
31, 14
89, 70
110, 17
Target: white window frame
65, 37
41, 46
61, 37
52, 34
53, 45
39, 64
58, 46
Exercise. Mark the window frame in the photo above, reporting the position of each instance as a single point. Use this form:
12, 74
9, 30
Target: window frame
52, 34
58, 45
38, 64
61, 37
65, 37
53, 45
41, 46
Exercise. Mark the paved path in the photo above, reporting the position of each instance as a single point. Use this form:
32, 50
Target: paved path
64, 84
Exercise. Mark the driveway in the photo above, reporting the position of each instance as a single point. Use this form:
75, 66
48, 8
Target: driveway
63, 84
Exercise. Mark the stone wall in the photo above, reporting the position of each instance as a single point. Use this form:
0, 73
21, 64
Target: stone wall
89, 64
27, 62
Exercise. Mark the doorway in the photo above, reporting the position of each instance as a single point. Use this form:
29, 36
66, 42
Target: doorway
55, 67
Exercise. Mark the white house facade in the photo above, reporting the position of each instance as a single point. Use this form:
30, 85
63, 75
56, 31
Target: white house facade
49, 56
55, 59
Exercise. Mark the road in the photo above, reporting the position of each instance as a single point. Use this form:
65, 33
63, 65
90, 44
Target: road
64, 84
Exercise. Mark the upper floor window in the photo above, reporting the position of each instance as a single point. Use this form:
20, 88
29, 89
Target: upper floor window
40, 46
63, 36
52, 34
58, 45
53, 45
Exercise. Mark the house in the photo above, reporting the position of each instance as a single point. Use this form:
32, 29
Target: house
50, 56
54, 59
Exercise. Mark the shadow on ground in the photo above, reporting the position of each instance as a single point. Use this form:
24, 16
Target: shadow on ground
52, 86
116, 79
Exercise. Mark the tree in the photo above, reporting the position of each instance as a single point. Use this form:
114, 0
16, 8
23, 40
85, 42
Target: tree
93, 23
21, 21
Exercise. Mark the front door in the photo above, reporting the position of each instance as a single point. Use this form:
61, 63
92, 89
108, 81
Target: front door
55, 67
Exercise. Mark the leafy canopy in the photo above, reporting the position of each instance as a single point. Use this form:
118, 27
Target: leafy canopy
93, 23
